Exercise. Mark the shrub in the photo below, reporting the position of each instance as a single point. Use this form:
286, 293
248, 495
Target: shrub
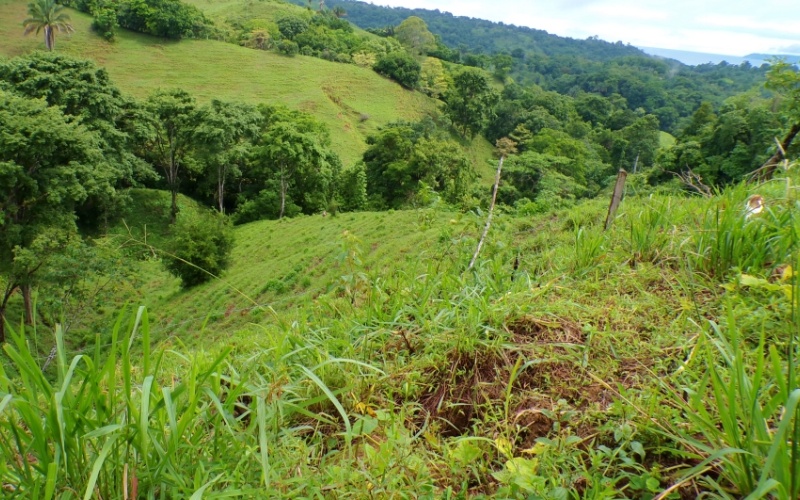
200, 248
291, 26
288, 48
400, 67
105, 22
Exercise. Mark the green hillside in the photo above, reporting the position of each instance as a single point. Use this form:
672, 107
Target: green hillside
203, 301
350, 100
358, 353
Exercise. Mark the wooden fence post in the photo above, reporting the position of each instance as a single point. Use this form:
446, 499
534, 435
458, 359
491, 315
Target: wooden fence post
616, 198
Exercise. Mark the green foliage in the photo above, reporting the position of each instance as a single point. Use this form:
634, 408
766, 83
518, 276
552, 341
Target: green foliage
405, 157
469, 101
753, 419
199, 248
49, 164
400, 67
94, 433
353, 188
292, 159
413, 34
164, 18
291, 26
172, 121
433, 80
667, 89
84, 91
223, 141
105, 21
288, 48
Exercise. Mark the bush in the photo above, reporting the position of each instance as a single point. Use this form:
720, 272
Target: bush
200, 248
164, 18
291, 26
400, 67
105, 22
288, 48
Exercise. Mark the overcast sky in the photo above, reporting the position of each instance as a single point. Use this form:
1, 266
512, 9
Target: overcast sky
729, 27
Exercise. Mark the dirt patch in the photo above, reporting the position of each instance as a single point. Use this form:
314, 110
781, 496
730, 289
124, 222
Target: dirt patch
529, 329
632, 371
472, 386
458, 390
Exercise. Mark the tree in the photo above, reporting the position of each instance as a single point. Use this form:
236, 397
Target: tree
353, 188
85, 91
291, 26
165, 18
294, 150
413, 34
404, 156
339, 12
172, 123
469, 102
433, 80
47, 16
224, 137
785, 81
386, 160
259, 39
443, 166
49, 164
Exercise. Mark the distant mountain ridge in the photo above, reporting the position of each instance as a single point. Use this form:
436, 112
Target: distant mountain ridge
471, 33
696, 58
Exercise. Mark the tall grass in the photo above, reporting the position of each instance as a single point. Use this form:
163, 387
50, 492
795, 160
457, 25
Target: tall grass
743, 407
104, 426
747, 416
726, 240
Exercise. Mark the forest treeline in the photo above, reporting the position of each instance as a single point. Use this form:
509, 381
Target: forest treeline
666, 88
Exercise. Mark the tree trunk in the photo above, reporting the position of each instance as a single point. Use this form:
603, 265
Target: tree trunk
766, 171
172, 180
491, 211
49, 39
616, 198
173, 215
221, 191
283, 194
7, 295
27, 300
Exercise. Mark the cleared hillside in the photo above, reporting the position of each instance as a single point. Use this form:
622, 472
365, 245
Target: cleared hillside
350, 100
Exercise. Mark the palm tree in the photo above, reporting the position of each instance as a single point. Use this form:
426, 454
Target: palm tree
48, 16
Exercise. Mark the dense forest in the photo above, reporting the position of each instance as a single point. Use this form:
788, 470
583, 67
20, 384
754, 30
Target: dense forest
666, 88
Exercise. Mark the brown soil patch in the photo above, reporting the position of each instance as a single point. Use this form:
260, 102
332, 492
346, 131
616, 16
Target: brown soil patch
529, 329
470, 386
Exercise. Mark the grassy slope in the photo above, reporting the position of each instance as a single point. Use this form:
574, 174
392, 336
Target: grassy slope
287, 265
278, 264
337, 94
578, 347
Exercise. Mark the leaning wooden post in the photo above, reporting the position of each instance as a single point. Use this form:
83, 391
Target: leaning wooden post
616, 198
505, 147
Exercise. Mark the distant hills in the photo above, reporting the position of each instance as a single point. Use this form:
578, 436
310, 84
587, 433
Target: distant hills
489, 37
479, 35
695, 58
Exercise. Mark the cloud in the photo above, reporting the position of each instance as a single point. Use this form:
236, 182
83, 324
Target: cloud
714, 26
789, 49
